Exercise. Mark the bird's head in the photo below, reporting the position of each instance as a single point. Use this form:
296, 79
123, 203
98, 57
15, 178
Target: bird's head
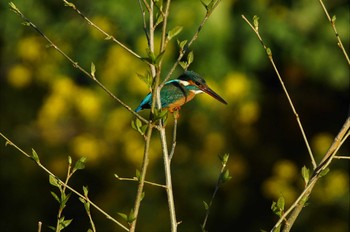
197, 84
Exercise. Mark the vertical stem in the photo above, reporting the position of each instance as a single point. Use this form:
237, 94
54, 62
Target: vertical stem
142, 178
169, 187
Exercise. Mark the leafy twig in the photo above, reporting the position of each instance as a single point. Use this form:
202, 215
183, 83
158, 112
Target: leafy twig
36, 159
137, 179
295, 209
332, 22
209, 10
269, 54
224, 176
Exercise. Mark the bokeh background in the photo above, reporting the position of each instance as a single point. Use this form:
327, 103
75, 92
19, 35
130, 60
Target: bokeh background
48, 105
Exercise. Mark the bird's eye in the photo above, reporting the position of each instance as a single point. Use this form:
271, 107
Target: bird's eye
197, 83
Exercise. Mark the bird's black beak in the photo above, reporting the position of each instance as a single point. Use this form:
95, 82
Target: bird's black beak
211, 92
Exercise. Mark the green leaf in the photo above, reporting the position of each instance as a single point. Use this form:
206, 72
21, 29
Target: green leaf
35, 156
224, 158
183, 64
64, 223
85, 190
268, 51
225, 176
208, 6
256, 22
174, 32
124, 216
80, 164
147, 78
206, 206
159, 58
86, 204
54, 181
70, 160
151, 56
138, 174
280, 203
278, 207
334, 18
324, 172
190, 58
93, 69
182, 44
55, 196
131, 216
64, 199
160, 114
305, 172
66, 3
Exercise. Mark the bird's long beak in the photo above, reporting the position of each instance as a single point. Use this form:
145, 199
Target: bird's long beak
211, 92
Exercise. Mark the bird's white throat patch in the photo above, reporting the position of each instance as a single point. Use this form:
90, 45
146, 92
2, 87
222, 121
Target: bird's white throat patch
196, 91
184, 83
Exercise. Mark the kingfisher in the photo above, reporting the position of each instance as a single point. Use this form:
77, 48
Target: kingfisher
177, 92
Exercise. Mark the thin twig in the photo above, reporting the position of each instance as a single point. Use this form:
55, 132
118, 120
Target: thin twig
269, 53
135, 179
74, 63
39, 226
341, 157
108, 36
9, 142
332, 22
144, 18
217, 186
298, 204
194, 38
172, 151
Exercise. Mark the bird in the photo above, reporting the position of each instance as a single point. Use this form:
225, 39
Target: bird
177, 92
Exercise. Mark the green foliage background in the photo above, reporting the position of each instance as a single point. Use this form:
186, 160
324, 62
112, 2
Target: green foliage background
48, 105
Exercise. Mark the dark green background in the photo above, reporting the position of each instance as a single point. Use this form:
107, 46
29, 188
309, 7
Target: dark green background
48, 105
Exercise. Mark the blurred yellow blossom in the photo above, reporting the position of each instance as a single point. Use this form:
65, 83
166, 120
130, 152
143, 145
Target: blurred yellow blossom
88, 104
334, 186
19, 76
236, 86
117, 121
282, 183
29, 48
89, 146
119, 64
249, 112
320, 143
54, 113
104, 24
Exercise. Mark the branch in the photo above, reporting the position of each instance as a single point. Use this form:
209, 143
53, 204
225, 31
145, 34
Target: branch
210, 9
332, 22
292, 213
9, 142
74, 63
255, 28
224, 176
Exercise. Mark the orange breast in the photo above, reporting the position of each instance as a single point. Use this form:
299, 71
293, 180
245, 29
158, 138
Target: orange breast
177, 104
